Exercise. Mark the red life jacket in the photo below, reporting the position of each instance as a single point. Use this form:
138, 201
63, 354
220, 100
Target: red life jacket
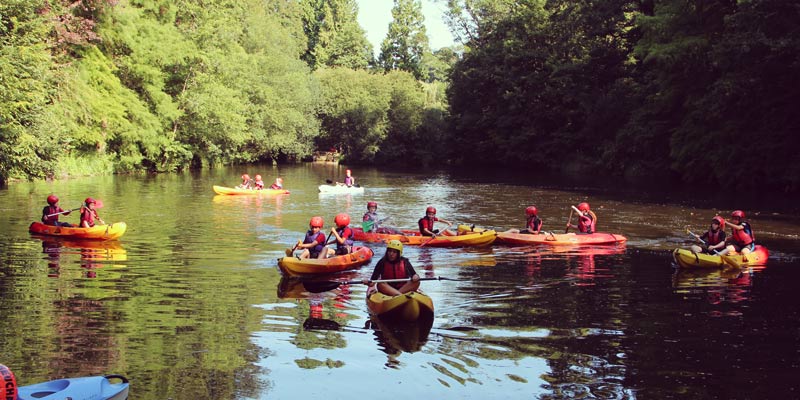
743, 237
394, 270
534, 224
586, 224
426, 223
714, 237
88, 215
52, 220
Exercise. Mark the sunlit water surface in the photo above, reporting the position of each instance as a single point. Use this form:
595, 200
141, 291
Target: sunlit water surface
189, 303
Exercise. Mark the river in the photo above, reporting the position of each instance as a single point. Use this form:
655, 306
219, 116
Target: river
189, 303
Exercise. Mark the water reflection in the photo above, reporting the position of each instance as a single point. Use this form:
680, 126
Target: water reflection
93, 255
716, 286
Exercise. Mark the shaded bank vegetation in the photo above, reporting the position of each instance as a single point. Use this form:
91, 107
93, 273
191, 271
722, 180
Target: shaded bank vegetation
702, 91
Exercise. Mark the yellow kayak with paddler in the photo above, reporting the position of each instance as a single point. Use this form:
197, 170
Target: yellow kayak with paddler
97, 232
688, 259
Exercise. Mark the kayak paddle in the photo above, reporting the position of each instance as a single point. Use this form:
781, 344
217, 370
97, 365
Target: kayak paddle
569, 222
324, 286
97, 204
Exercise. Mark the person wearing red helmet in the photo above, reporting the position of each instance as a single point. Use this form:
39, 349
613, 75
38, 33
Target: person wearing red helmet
587, 220
349, 180
313, 243
51, 212
371, 222
343, 234
278, 185
713, 239
247, 183
258, 183
426, 223
742, 238
89, 214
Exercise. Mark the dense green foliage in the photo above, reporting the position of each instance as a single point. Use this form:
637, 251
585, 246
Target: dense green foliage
701, 90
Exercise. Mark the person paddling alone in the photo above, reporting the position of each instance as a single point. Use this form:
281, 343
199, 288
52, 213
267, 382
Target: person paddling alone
394, 266
714, 238
89, 214
51, 212
349, 180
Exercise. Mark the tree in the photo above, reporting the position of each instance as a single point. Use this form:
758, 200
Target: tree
334, 37
406, 42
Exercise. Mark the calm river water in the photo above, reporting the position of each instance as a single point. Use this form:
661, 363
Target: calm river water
189, 304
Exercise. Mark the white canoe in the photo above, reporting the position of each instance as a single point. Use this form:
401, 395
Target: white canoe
340, 189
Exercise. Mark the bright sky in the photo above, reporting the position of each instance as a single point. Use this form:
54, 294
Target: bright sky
375, 15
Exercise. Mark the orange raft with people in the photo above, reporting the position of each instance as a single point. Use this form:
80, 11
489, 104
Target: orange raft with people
237, 191
445, 239
97, 232
295, 266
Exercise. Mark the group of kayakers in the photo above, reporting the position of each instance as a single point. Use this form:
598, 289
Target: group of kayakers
258, 184
88, 219
715, 241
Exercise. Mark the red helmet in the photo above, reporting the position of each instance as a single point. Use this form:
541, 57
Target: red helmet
89, 200
531, 211
430, 209
719, 220
316, 222
52, 199
583, 206
342, 220
245, 177
372, 204
738, 214
258, 177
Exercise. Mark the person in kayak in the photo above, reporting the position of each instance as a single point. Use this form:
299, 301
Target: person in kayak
259, 184
533, 224
586, 220
89, 214
313, 243
349, 180
742, 238
343, 234
247, 183
394, 266
714, 238
278, 185
51, 212
371, 222
426, 223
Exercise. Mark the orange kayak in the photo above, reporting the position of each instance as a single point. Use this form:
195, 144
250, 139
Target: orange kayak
560, 239
234, 191
414, 238
295, 266
97, 232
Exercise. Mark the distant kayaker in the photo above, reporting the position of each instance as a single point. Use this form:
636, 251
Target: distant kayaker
713, 239
259, 184
343, 234
349, 180
51, 212
278, 185
742, 238
314, 241
586, 219
533, 224
89, 214
247, 183
394, 266
426, 222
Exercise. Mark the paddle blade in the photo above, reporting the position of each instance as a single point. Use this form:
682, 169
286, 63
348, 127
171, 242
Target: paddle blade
98, 203
289, 252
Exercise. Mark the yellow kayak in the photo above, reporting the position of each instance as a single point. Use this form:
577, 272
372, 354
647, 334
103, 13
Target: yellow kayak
689, 259
294, 266
97, 232
414, 238
411, 306
234, 191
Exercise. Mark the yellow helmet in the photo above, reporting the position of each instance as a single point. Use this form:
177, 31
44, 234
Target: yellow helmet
395, 244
